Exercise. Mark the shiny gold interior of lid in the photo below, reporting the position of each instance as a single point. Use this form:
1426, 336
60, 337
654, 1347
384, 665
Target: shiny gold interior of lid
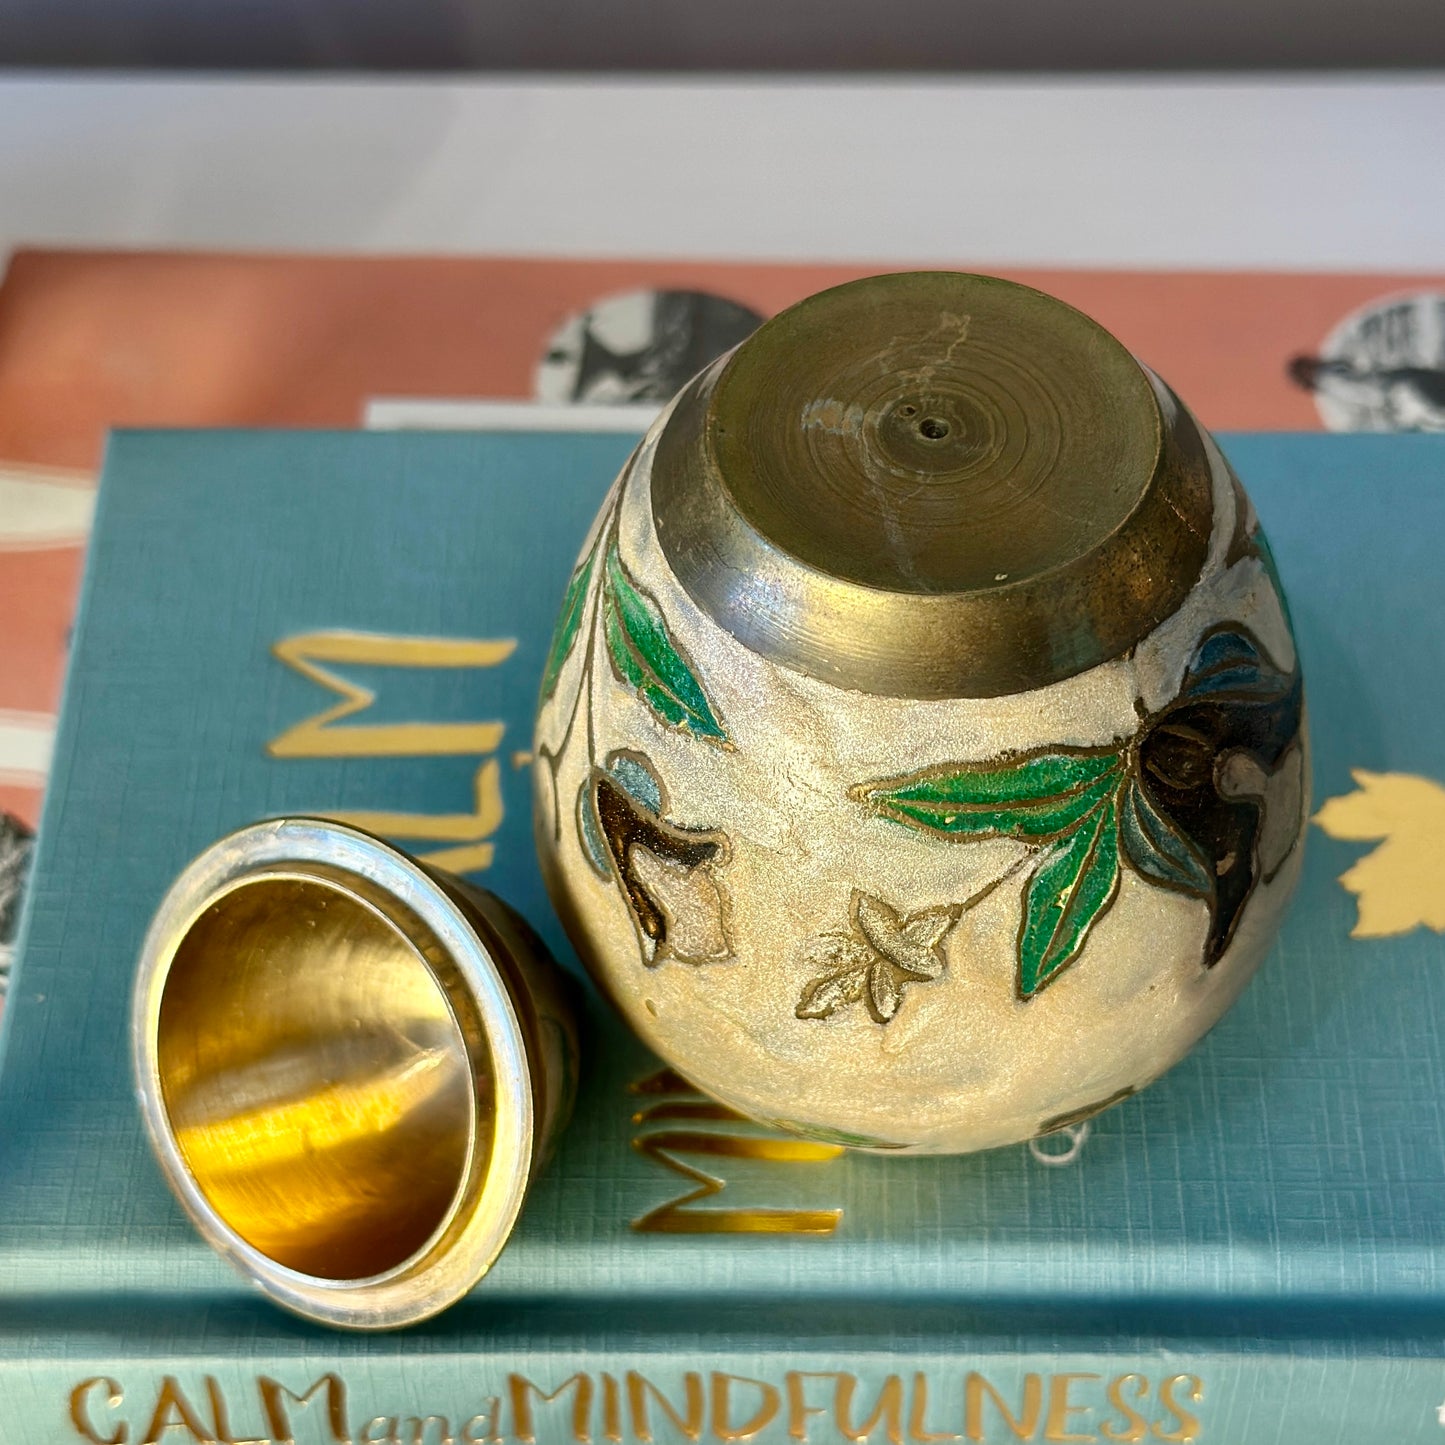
318, 1078
933, 484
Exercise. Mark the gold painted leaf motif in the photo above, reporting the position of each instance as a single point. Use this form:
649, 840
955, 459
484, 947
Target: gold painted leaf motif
1400, 885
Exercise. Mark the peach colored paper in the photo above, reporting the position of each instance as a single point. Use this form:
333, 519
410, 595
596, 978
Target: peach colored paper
91, 340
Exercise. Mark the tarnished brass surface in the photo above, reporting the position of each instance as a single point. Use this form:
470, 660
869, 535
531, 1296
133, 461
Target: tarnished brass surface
933, 485
350, 1068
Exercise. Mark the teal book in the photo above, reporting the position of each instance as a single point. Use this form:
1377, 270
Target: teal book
1250, 1252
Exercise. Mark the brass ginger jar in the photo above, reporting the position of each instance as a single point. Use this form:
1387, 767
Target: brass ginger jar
921, 756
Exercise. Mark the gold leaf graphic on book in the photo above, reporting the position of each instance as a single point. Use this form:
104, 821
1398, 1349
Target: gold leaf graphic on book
1401, 884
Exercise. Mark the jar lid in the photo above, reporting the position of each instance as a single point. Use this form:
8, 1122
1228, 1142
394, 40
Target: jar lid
349, 1067
930, 485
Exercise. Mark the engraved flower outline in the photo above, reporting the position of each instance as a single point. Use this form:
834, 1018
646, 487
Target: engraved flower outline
667, 874
876, 958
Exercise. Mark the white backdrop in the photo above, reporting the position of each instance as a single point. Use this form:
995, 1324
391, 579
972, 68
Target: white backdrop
1262, 173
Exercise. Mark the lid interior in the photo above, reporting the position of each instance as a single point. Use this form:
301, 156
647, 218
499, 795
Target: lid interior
317, 1078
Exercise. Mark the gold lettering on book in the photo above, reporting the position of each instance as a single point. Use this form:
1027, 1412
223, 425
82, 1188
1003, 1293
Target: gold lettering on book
1187, 1428
888, 1407
1067, 1407
484, 1428
1024, 1425
1134, 1426
689, 1421
317, 655
917, 1430
410, 1430
466, 829
172, 1408
318, 737
278, 1419
723, 1424
80, 1410
795, 1383
611, 1409
521, 1390
676, 1101
1057, 1426
221, 1416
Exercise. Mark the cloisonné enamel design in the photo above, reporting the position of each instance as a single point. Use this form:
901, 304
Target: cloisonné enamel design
1160, 803
641, 648
667, 874
1003, 855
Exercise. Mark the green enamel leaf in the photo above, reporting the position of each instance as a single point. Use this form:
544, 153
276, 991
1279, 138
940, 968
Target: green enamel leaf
1041, 820
1066, 895
564, 636
1028, 778
648, 659
1037, 797
630, 669
1156, 851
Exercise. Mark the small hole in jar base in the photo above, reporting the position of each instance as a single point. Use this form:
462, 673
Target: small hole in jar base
908, 409
933, 428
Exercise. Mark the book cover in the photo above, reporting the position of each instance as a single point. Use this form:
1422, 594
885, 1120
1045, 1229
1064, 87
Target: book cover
1248, 1252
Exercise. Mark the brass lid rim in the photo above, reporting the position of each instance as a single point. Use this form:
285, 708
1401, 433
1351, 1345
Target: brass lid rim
488, 1201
